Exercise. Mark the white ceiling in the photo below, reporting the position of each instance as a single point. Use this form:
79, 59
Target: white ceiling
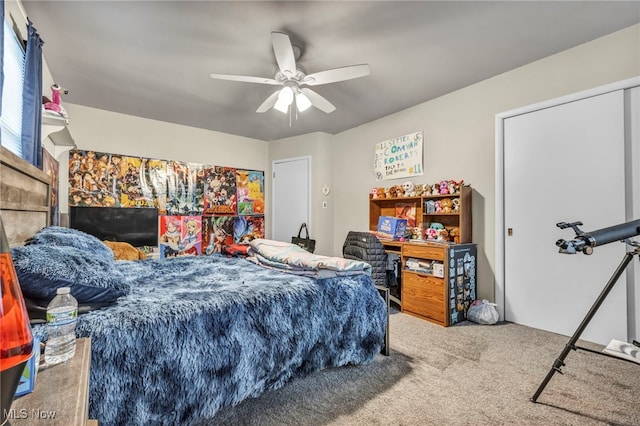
153, 58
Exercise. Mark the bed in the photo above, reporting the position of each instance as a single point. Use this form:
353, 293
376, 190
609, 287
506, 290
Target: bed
175, 340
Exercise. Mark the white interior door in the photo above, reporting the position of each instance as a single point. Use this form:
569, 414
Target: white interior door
564, 164
291, 197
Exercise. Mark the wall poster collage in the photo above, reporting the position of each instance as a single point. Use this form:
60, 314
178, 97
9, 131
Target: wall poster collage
201, 208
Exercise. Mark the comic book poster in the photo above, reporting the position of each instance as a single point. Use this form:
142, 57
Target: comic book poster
180, 236
50, 166
248, 228
220, 191
184, 191
250, 192
135, 190
157, 178
217, 231
93, 179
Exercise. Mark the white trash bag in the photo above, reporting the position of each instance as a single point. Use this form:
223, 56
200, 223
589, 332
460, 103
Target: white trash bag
483, 312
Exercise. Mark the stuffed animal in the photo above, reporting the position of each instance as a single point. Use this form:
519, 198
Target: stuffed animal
430, 206
125, 251
456, 205
446, 205
381, 193
409, 189
419, 190
396, 191
55, 104
444, 187
442, 235
435, 189
433, 229
454, 235
416, 233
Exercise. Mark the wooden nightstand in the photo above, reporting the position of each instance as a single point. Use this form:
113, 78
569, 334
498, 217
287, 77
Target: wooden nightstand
61, 394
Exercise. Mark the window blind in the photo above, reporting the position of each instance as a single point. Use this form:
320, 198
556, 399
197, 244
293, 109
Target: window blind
11, 118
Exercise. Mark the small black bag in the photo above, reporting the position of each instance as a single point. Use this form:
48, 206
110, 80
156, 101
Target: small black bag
306, 243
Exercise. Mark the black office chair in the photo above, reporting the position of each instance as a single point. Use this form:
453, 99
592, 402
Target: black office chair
366, 247
385, 268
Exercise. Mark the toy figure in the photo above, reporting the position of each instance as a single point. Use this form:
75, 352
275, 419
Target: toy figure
444, 187
409, 189
55, 105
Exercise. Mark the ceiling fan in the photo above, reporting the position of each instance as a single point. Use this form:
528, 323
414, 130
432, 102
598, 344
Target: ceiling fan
293, 79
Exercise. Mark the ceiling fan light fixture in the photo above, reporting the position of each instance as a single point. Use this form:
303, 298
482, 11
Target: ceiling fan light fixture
286, 95
302, 102
291, 76
281, 106
285, 98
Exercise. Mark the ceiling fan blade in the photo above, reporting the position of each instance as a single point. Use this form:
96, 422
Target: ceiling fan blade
284, 53
269, 102
336, 74
318, 101
245, 79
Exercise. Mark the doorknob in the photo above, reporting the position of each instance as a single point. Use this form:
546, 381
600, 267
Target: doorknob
510, 232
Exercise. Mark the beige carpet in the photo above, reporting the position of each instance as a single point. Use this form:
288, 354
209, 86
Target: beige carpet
463, 375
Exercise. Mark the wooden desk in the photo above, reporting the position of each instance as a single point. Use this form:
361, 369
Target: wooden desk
61, 394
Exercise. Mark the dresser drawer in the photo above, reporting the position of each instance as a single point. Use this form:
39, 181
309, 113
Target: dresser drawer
423, 251
423, 295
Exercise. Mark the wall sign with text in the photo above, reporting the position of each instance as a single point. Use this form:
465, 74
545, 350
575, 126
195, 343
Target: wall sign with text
399, 157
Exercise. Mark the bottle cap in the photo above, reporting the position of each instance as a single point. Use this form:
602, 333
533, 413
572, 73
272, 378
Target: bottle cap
63, 290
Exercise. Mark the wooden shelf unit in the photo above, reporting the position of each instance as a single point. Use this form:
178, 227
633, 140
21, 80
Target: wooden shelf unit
460, 219
442, 299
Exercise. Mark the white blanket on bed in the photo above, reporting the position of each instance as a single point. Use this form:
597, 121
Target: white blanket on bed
293, 259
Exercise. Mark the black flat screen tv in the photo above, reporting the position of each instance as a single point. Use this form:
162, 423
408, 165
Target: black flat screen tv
136, 226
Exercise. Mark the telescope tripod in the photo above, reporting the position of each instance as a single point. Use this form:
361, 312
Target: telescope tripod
571, 345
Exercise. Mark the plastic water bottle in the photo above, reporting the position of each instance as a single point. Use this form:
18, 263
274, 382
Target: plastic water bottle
62, 315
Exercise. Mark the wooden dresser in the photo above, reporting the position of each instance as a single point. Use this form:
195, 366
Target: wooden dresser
61, 393
438, 279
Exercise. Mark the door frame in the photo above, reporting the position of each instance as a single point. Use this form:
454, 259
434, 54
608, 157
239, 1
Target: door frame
499, 284
273, 192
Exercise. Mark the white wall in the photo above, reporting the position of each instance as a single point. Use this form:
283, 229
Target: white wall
318, 146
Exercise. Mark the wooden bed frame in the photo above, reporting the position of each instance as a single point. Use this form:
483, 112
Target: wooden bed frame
25, 194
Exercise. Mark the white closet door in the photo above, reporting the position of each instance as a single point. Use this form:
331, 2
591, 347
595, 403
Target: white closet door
632, 118
564, 164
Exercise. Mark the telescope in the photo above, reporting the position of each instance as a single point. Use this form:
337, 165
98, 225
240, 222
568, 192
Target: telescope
586, 241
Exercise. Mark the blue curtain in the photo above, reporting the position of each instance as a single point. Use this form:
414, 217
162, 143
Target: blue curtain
32, 99
1, 51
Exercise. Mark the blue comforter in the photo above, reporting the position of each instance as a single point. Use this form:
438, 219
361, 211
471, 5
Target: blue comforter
200, 333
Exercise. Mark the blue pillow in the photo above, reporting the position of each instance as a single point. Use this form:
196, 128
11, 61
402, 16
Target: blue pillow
42, 269
59, 236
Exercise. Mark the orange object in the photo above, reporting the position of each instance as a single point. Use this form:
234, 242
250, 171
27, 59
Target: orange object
16, 340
